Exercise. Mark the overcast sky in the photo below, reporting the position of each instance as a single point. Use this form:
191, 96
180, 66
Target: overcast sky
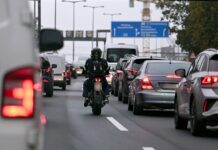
84, 21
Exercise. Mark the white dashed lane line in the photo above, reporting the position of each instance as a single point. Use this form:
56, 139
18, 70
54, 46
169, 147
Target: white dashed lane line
117, 124
148, 148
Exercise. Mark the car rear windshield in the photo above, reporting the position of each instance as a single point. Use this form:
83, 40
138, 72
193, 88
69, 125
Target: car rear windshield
213, 66
137, 64
114, 54
163, 68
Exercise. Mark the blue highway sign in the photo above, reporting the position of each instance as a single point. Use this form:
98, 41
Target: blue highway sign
140, 29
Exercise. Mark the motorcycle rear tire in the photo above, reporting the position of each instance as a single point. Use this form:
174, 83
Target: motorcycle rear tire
96, 110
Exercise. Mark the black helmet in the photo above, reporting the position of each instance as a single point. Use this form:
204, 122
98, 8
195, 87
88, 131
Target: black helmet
96, 53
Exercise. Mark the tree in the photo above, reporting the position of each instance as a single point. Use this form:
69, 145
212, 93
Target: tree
196, 27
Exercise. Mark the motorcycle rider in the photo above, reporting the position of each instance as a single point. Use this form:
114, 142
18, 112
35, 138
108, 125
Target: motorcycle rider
93, 71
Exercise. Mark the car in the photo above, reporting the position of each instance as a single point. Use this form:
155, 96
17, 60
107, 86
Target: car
47, 76
21, 118
60, 71
118, 73
129, 73
154, 86
72, 70
196, 96
68, 74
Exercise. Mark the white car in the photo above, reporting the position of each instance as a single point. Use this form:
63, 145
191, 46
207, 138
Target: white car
60, 70
21, 119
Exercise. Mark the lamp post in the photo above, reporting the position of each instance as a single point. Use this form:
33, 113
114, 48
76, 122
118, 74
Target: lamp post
74, 3
93, 18
112, 15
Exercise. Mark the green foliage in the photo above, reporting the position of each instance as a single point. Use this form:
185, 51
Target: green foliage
195, 22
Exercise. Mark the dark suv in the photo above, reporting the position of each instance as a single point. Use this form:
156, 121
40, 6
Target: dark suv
196, 96
118, 72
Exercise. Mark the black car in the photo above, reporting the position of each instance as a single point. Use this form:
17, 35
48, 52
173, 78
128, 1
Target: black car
118, 72
47, 76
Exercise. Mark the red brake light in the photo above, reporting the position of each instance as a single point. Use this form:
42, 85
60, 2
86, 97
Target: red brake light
146, 84
48, 69
97, 79
18, 94
119, 72
208, 80
173, 76
132, 72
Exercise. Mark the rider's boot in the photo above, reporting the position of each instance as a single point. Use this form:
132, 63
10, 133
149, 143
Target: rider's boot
86, 102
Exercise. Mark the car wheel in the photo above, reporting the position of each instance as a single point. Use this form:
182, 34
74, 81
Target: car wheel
180, 123
137, 110
124, 98
198, 126
130, 106
64, 87
112, 89
49, 92
116, 90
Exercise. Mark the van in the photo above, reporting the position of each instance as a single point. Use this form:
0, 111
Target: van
21, 118
113, 52
59, 71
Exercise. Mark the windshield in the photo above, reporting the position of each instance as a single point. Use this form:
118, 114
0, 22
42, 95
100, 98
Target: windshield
114, 54
163, 68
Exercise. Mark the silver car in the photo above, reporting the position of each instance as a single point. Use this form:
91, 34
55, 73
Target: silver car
196, 96
154, 87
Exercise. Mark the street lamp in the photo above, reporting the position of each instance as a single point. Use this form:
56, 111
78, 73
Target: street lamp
74, 3
112, 15
93, 18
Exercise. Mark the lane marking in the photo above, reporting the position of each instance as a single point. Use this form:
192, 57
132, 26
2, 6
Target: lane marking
117, 124
148, 148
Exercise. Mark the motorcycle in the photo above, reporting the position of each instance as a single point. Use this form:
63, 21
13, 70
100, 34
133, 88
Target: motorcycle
97, 96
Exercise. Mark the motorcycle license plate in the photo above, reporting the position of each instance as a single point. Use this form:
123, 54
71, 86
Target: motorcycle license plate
98, 87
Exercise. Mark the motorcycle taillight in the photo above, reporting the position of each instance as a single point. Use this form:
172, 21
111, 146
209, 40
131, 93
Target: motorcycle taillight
97, 79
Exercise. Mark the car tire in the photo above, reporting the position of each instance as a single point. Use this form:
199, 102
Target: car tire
137, 110
64, 87
180, 123
124, 98
69, 82
198, 126
130, 106
116, 90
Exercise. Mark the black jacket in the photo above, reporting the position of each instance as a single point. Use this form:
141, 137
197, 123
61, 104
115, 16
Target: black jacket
96, 68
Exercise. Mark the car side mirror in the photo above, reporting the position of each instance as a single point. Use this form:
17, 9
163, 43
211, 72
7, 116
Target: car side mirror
54, 65
50, 40
180, 72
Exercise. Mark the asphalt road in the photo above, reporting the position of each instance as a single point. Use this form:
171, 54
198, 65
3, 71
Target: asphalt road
70, 126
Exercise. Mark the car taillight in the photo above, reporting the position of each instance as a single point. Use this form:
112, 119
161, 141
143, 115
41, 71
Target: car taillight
173, 76
208, 80
64, 74
146, 84
48, 69
18, 94
119, 72
132, 72
97, 79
